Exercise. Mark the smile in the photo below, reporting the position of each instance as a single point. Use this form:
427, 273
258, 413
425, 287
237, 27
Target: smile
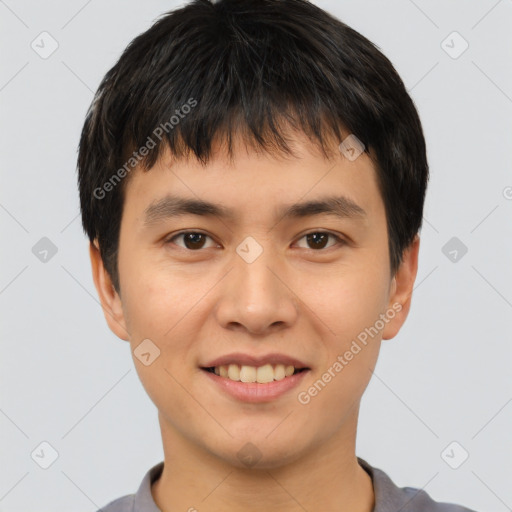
244, 382
262, 374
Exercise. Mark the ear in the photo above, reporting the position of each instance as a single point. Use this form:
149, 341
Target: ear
401, 290
109, 298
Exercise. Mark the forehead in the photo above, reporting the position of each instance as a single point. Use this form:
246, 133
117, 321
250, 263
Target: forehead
303, 184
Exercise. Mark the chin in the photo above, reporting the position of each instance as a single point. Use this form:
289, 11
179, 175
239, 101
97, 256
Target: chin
260, 452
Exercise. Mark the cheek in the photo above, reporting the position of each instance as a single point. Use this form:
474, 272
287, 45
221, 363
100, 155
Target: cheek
167, 310
161, 309
348, 304
352, 307
349, 312
154, 297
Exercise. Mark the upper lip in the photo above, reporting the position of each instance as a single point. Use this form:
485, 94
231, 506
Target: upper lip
249, 360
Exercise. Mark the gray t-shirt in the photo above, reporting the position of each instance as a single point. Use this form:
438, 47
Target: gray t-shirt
388, 497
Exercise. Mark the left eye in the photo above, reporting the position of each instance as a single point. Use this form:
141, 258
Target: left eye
319, 239
194, 240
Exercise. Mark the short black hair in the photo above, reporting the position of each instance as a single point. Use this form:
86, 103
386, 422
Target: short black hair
212, 70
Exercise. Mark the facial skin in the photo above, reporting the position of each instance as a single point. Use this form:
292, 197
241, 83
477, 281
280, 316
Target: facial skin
199, 303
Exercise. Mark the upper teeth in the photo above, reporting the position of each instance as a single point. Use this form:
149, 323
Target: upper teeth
261, 374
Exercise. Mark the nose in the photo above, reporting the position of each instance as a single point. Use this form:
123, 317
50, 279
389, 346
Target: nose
257, 297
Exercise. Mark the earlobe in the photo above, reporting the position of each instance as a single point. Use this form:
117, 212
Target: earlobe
109, 298
401, 290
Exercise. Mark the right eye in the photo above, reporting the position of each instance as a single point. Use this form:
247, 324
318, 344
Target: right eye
193, 240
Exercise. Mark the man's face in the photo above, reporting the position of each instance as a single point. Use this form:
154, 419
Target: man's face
257, 283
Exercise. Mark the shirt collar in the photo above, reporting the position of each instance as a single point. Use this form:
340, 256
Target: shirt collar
144, 501
388, 497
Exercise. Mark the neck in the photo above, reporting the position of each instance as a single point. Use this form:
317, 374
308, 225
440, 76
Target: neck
326, 477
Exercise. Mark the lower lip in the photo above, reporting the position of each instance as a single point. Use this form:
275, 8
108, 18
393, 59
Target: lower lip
254, 391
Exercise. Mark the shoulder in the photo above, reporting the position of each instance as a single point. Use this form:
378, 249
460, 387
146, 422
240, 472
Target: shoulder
142, 500
389, 497
123, 504
420, 501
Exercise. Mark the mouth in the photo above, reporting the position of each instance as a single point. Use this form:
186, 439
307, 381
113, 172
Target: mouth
255, 377
264, 382
251, 374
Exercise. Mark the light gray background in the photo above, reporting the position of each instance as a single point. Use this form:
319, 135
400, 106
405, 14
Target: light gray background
66, 379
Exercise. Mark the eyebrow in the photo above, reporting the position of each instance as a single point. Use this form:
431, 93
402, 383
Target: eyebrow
173, 206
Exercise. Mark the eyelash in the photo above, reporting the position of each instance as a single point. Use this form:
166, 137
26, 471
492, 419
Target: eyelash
338, 239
